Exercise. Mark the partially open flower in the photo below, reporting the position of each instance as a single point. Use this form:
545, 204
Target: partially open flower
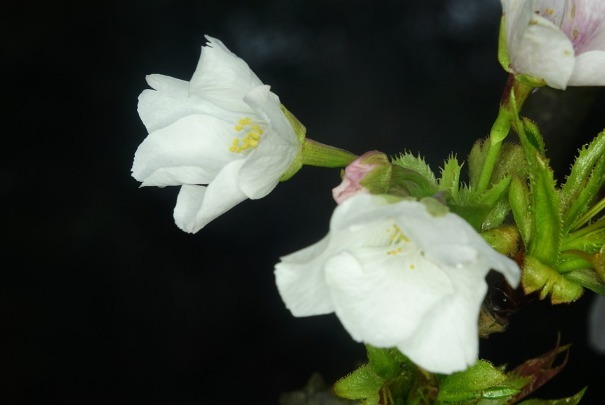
561, 42
222, 137
409, 275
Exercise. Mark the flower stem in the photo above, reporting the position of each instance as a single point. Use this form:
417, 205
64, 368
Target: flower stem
501, 127
317, 154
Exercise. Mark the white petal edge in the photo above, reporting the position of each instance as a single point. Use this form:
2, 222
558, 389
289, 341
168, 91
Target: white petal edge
301, 283
196, 208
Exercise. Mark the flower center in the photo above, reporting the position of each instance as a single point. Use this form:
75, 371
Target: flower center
400, 244
249, 137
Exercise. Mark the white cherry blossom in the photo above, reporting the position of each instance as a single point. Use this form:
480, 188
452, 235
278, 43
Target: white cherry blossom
408, 275
222, 137
559, 41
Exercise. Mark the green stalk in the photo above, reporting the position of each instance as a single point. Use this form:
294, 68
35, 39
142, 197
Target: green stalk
501, 127
317, 154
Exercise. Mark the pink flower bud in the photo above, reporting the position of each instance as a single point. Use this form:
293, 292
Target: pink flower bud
354, 174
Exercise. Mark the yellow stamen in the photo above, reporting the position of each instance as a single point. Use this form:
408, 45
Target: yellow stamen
252, 135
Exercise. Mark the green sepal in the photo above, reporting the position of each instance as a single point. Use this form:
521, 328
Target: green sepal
299, 129
480, 381
573, 400
539, 277
313, 153
530, 81
503, 56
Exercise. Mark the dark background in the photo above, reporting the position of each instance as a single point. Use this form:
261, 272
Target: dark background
106, 301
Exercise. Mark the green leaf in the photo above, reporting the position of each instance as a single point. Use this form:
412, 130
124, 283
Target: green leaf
389, 362
519, 200
450, 177
482, 209
476, 160
362, 384
537, 276
587, 278
589, 239
417, 164
579, 211
405, 182
583, 167
573, 400
511, 162
482, 380
388, 374
544, 200
504, 239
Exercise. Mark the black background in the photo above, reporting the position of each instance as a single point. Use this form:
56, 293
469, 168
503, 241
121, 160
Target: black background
106, 301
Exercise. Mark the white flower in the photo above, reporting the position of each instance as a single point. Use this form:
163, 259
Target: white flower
560, 41
223, 129
398, 275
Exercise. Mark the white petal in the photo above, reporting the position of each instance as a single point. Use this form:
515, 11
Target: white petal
221, 77
543, 51
188, 204
447, 340
158, 109
589, 69
382, 299
191, 151
169, 85
220, 196
359, 209
301, 282
585, 24
276, 150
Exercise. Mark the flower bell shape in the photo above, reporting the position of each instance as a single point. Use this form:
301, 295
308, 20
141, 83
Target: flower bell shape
561, 42
222, 137
407, 274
